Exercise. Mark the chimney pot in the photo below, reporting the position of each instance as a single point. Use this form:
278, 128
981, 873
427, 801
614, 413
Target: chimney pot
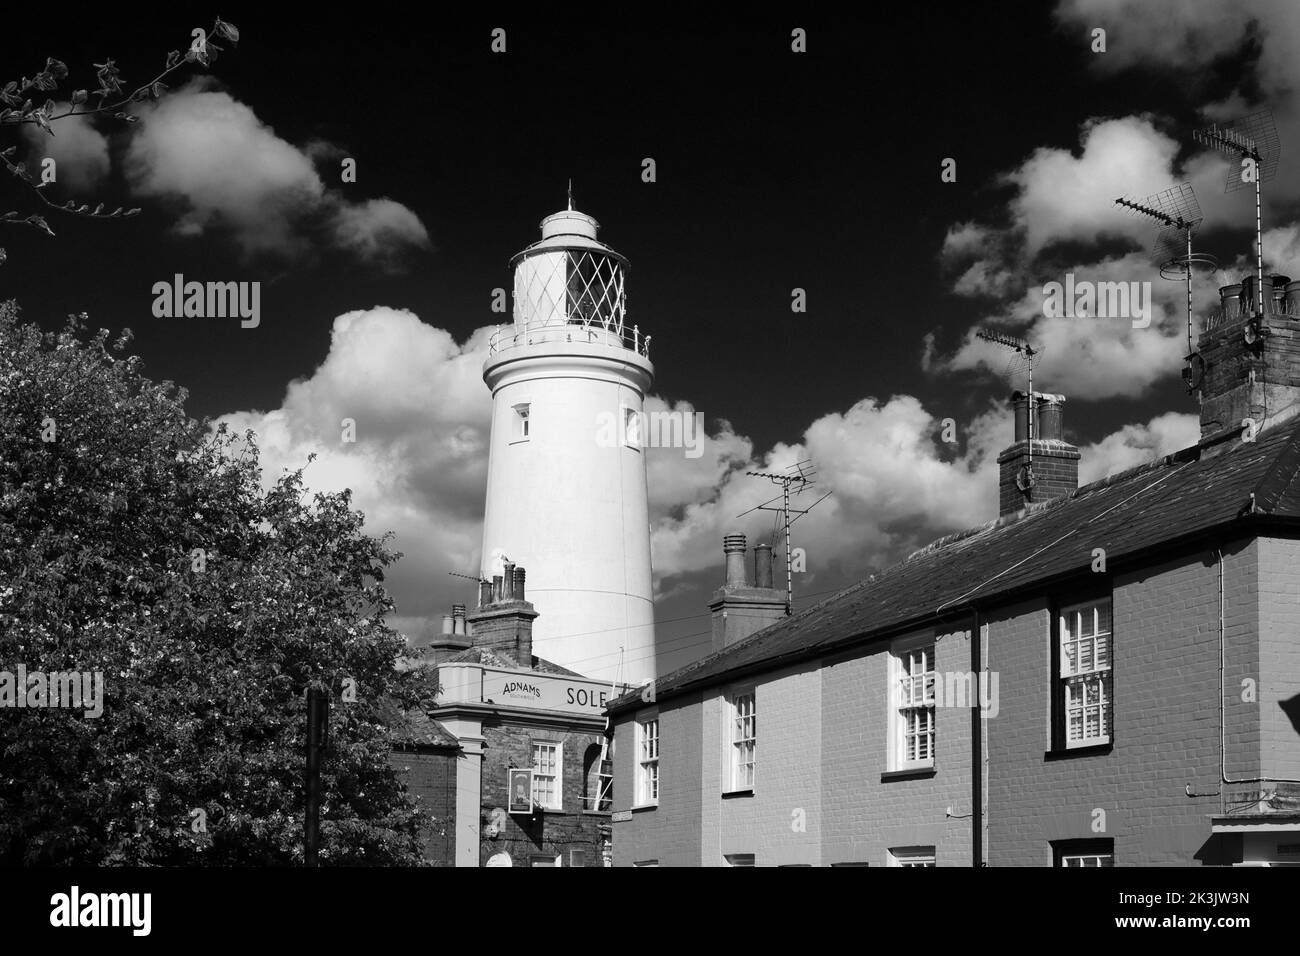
762, 565
1048, 417
733, 546
1230, 300
1293, 298
508, 583
496, 588
458, 618
1249, 297
519, 584
484, 593
448, 624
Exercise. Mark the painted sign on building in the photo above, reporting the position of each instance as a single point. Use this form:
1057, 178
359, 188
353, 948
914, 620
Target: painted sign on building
545, 692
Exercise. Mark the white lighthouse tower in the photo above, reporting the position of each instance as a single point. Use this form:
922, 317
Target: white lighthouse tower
566, 489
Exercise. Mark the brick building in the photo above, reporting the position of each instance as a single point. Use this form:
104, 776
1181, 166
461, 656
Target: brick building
425, 753
515, 719
1106, 675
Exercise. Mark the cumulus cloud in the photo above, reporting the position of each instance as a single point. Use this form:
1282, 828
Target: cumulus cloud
894, 484
1186, 39
1086, 358
1137, 444
379, 231
418, 466
1062, 197
79, 151
227, 170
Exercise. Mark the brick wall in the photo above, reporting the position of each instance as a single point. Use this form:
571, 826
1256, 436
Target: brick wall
1056, 473
780, 821
865, 812
430, 776
1227, 392
670, 832
547, 833
824, 728
1279, 664
1166, 720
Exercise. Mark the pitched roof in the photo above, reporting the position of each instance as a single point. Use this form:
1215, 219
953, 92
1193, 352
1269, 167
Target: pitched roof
1177, 497
415, 727
495, 657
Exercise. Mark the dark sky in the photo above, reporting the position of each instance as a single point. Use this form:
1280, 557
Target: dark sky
774, 171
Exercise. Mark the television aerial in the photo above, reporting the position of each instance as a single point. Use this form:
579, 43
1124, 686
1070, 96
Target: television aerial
1023, 357
1253, 140
1178, 213
799, 476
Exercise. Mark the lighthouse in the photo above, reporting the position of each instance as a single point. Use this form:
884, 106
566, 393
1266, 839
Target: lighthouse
566, 493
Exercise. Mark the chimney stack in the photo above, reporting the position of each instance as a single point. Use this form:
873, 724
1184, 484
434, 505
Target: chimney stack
738, 608
1249, 365
505, 625
1054, 461
438, 647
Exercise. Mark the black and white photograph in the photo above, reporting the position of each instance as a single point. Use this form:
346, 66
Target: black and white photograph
627, 437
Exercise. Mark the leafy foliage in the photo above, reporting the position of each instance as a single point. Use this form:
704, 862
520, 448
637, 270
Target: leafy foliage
18, 108
205, 671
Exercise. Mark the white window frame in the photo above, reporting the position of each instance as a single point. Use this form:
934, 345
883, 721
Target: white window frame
912, 856
1085, 673
1087, 859
647, 765
742, 740
521, 422
557, 777
912, 692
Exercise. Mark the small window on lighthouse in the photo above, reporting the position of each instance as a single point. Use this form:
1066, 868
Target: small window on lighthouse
521, 423
631, 427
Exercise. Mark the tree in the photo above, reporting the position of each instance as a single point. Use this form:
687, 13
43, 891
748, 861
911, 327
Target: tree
141, 544
19, 108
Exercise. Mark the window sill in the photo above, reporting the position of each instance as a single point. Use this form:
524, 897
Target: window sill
912, 773
732, 794
518, 441
645, 806
1066, 753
